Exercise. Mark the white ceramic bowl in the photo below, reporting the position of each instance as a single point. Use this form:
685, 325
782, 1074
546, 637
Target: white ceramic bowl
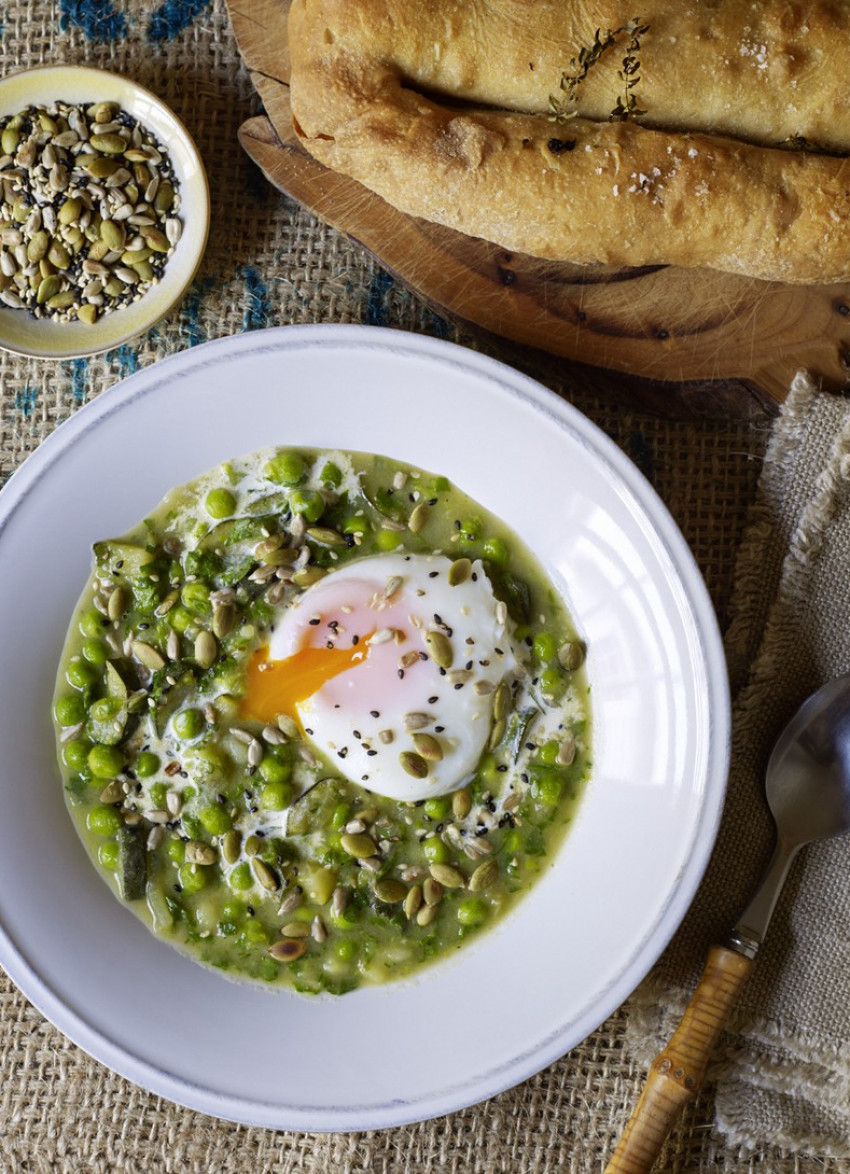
575, 947
49, 339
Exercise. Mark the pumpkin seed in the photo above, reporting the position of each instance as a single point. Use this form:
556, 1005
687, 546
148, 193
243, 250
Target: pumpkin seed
391, 891
459, 571
288, 949
432, 891
230, 843
426, 914
428, 746
360, 845
113, 233
413, 901
448, 876
112, 792
117, 604
206, 649
38, 246
414, 764
483, 876
87, 314
571, 655
148, 655
267, 877
566, 751
325, 536
109, 144
223, 619
418, 517
440, 648
502, 702
462, 803
296, 929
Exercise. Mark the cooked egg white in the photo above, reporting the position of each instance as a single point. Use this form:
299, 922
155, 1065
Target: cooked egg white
378, 654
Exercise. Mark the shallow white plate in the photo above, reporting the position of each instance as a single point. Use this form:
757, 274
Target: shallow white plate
80, 84
577, 945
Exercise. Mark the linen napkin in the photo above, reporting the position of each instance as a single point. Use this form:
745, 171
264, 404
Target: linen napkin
782, 1070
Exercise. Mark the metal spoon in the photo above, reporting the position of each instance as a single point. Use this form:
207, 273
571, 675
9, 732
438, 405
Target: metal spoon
808, 792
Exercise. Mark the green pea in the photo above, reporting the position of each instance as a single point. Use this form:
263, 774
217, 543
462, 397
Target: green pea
158, 794
488, 771
307, 502
108, 854
548, 790
255, 934
95, 651
439, 807
103, 820
220, 503
512, 842
387, 539
544, 646
495, 550
340, 816
76, 753
331, 475
355, 525
472, 529
275, 796
189, 723
215, 819
70, 710
105, 762
272, 770
239, 878
180, 618
435, 850
176, 850
548, 753
147, 764
346, 949
104, 710
81, 674
193, 877
196, 596
92, 623
286, 468
472, 912
232, 910
439, 485
551, 681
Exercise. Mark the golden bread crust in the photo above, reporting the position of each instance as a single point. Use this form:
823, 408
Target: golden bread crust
441, 108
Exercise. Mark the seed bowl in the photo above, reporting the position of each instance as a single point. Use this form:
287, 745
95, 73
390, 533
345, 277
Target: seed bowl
148, 294
532, 986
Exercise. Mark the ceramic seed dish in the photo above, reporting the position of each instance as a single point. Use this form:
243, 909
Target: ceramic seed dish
573, 949
79, 86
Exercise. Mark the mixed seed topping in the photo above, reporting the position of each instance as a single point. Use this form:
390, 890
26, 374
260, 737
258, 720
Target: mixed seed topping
89, 213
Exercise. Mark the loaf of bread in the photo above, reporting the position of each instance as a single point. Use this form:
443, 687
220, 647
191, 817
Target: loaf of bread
735, 160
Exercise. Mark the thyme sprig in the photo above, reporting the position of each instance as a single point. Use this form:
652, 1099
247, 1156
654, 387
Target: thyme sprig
563, 106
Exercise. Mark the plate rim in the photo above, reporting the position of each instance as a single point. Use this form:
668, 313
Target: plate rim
251, 1111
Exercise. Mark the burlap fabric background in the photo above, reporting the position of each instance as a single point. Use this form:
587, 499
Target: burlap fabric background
268, 263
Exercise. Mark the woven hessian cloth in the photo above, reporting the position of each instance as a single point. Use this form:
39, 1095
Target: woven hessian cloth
269, 263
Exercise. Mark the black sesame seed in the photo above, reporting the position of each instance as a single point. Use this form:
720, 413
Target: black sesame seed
374, 713
433, 700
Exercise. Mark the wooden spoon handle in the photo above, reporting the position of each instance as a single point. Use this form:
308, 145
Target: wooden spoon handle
675, 1074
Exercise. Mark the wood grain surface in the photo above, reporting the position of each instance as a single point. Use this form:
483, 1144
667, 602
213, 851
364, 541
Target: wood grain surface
685, 341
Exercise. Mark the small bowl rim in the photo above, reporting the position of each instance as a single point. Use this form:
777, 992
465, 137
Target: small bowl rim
57, 354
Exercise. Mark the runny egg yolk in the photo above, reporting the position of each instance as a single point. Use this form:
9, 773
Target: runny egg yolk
279, 686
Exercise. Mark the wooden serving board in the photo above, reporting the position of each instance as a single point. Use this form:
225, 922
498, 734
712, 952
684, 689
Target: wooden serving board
686, 341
